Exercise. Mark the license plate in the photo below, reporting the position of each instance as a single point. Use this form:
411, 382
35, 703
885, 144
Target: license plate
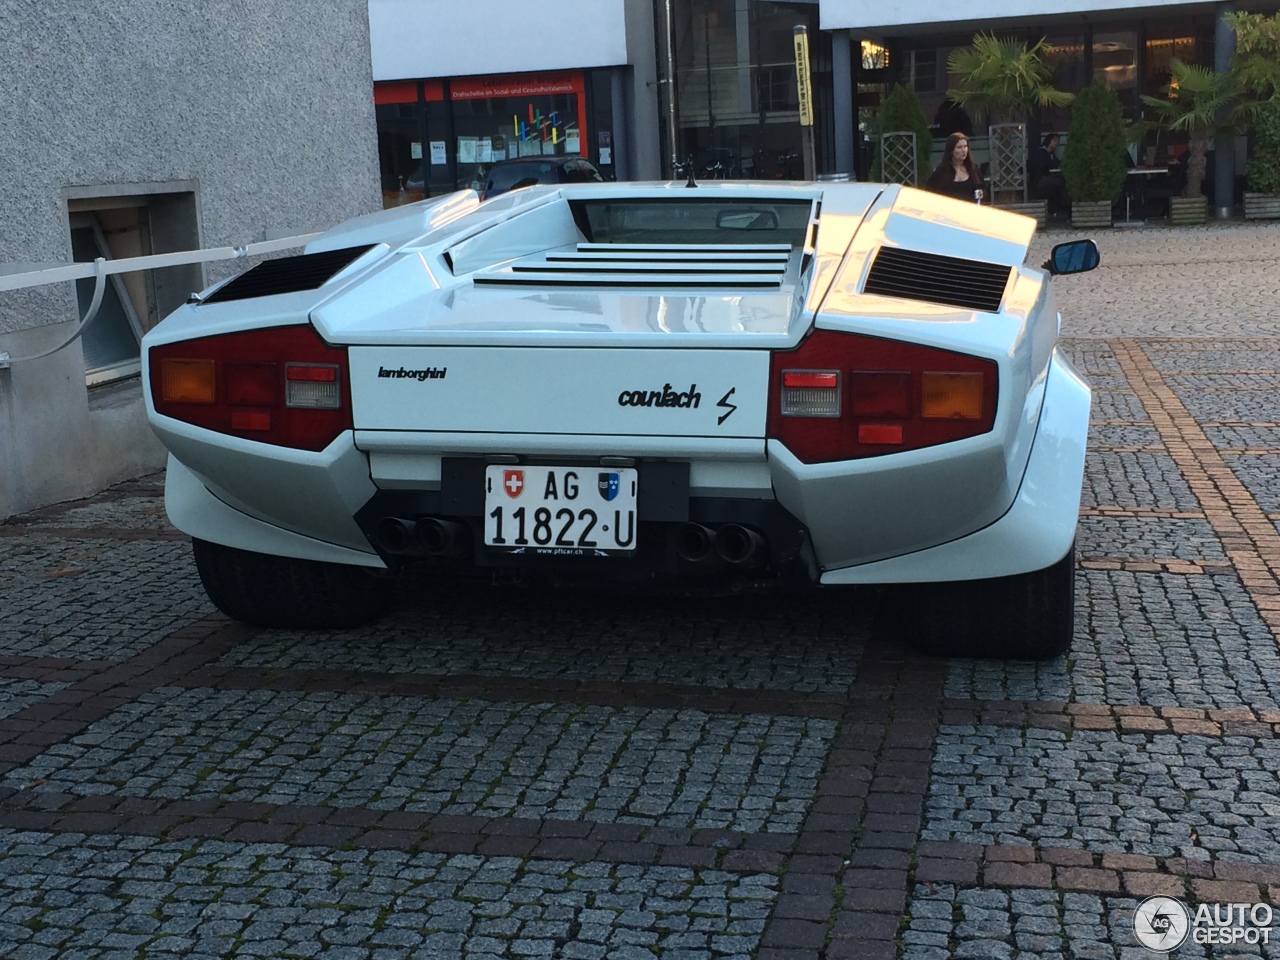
565, 511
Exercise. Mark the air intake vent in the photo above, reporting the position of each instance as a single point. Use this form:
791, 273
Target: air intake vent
936, 279
656, 265
286, 275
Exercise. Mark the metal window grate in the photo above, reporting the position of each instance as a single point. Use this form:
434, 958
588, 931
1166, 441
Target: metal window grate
933, 278
287, 274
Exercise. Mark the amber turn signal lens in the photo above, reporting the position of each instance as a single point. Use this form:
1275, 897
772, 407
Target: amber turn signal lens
187, 381
951, 396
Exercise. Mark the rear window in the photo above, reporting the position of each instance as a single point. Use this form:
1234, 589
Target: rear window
736, 221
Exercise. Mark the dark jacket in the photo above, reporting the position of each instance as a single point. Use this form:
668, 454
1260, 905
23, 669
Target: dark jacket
943, 180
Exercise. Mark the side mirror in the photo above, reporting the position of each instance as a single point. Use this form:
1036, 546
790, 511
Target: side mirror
1074, 256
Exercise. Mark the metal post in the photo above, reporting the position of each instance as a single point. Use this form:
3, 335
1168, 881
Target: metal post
842, 100
667, 39
804, 90
1224, 164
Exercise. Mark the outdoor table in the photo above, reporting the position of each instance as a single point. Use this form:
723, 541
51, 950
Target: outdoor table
1136, 183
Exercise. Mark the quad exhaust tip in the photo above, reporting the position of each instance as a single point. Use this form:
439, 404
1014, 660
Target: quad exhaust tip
441, 538
428, 536
732, 543
741, 546
395, 535
694, 542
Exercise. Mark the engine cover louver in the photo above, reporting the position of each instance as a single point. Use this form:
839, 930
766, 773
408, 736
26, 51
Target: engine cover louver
286, 274
933, 278
651, 265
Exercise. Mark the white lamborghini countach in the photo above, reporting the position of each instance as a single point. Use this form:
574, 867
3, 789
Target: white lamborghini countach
750, 384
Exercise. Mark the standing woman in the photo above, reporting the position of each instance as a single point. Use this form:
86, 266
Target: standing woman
957, 175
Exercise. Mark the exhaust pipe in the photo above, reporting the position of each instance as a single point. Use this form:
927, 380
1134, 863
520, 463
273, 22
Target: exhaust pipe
441, 538
694, 542
741, 546
395, 535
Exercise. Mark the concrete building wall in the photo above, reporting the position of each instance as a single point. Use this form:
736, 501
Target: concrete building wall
871, 15
262, 108
445, 38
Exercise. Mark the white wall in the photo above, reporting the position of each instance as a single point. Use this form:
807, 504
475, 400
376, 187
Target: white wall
453, 38
874, 14
265, 116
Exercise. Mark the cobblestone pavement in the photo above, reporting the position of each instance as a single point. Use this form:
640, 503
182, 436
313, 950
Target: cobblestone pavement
496, 773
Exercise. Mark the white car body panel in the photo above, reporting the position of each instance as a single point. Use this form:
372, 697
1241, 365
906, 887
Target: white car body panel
193, 509
477, 331
1040, 524
561, 391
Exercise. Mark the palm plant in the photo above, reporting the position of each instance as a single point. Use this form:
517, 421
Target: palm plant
1003, 77
1194, 99
1256, 60
1256, 66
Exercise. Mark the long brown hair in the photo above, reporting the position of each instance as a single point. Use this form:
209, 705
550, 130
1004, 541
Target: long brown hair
948, 160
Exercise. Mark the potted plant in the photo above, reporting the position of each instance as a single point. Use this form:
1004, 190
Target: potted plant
1256, 66
1193, 99
901, 112
1093, 165
1005, 79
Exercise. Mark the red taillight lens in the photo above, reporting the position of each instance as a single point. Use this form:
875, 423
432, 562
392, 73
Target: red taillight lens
890, 396
881, 393
282, 385
250, 383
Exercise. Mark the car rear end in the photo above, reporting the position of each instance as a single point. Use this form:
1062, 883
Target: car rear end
631, 384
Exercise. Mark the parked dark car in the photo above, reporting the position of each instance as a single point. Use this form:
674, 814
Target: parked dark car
525, 172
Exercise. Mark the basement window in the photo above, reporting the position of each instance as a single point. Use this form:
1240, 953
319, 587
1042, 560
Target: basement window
118, 228
111, 340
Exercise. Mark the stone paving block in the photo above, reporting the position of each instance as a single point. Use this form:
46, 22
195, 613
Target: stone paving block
1163, 640
673, 642
1106, 793
419, 899
95, 599
672, 768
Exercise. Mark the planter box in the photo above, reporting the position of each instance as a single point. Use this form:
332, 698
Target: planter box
1261, 206
1188, 210
1091, 213
1037, 209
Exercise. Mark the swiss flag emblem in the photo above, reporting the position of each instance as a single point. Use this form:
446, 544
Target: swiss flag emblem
513, 482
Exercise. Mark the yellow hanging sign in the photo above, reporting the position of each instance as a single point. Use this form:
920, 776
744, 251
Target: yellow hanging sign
803, 87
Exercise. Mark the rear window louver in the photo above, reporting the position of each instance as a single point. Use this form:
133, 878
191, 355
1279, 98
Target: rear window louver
657, 266
933, 278
287, 274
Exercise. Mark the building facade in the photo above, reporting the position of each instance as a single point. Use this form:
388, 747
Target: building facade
656, 88
126, 130
460, 87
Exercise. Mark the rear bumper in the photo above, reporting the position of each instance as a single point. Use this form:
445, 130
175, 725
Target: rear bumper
329, 507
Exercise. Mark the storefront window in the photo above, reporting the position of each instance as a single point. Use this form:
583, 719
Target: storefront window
399, 142
502, 118
736, 85
1064, 56
1115, 61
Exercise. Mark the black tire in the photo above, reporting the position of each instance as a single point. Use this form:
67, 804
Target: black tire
270, 591
1029, 616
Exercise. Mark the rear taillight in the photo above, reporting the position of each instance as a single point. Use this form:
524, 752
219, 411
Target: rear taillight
282, 385
842, 396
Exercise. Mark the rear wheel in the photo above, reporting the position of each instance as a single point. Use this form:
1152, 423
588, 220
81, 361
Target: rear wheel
1029, 616
272, 591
